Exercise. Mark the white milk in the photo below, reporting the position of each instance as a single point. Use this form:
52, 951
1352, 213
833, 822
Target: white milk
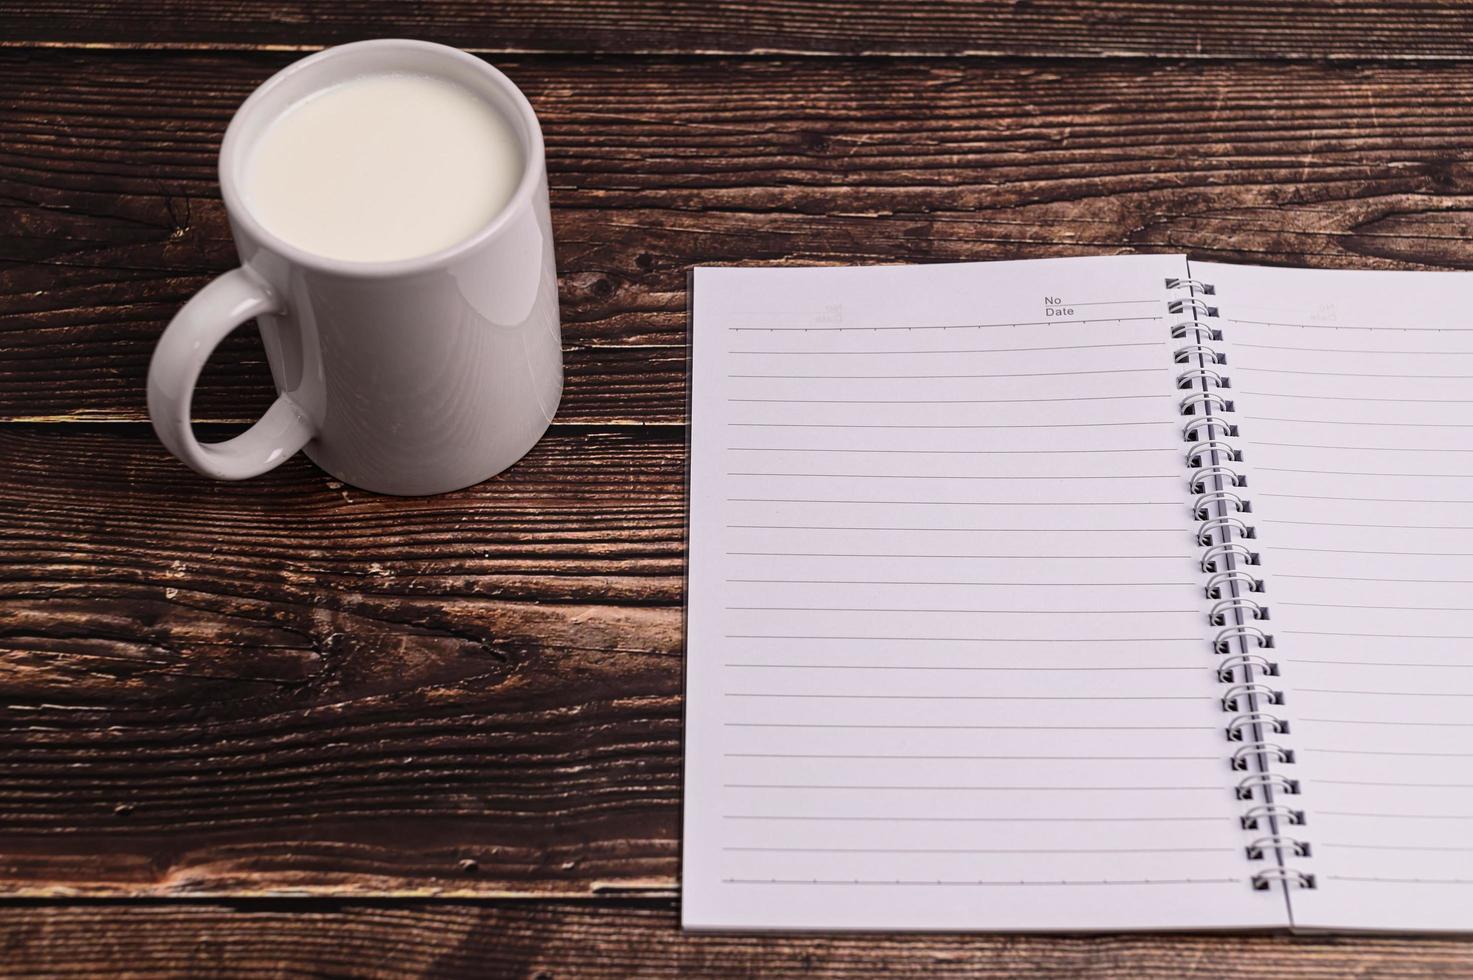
383, 167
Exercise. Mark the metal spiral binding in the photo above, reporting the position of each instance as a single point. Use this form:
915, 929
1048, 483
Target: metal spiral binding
1223, 641
1195, 452
1256, 721
1239, 760
1264, 666
1218, 614
1205, 502
1293, 845
1219, 554
1225, 533
1189, 431
1235, 698
1264, 879
1215, 584
1271, 811
1249, 785
1183, 355
1193, 304
1224, 526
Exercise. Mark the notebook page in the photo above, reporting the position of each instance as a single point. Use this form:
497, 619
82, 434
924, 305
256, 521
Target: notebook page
946, 665
1355, 404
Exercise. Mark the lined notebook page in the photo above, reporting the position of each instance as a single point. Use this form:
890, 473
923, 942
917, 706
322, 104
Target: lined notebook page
946, 664
1355, 397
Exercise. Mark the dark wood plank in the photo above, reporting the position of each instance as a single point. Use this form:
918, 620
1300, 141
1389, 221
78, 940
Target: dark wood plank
618, 940
291, 685
1377, 29
112, 214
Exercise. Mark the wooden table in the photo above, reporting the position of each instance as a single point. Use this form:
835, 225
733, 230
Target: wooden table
286, 726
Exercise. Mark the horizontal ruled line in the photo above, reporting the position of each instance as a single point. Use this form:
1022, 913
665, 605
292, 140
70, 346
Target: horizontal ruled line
1341, 326
808, 818
954, 476
1395, 784
1381, 636
1359, 398
962, 503
1402, 881
1372, 663
845, 554
1419, 755
955, 350
898, 425
963, 668
785, 696
1351, 350
1365, 449
942, 452
966, 639
939, 377
980, 850
972, 758
1351, 374
942, 401
990, 530
1011, 584
1396, 724
969, 728
948, 881
1408, 425
1393, 847
1420, 476
1371, 500
1388, 527
1398, 694
1362, 605
1354, 578
988, 612
953, 788
941, 326
1351, 551
1112, 302
1399, 816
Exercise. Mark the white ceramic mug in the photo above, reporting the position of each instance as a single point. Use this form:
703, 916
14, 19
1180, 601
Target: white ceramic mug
414, 376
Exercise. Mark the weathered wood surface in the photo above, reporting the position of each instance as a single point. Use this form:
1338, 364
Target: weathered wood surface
620, 940
287, 685
1376, 29
113, 217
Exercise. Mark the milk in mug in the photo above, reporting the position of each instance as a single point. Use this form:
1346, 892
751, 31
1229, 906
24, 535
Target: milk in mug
383, 167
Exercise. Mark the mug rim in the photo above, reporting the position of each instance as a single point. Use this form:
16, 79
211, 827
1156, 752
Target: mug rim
239, 210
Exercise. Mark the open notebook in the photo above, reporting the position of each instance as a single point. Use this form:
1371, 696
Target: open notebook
1098, 593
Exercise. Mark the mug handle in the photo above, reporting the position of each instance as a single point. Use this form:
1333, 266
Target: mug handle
194, 333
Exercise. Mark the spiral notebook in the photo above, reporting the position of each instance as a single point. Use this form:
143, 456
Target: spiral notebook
1080, 594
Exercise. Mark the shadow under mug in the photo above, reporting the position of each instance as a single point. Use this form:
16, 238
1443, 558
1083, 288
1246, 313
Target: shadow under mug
413, 376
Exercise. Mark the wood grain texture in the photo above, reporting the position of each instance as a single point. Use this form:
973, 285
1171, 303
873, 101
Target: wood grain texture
289, 686
113, 215
621, 940
1367, 29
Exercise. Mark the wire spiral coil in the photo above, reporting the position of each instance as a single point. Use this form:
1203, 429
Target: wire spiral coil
1224, 533
1271, 811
